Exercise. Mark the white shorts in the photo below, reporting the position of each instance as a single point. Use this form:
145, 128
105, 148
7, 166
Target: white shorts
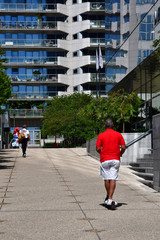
109, 169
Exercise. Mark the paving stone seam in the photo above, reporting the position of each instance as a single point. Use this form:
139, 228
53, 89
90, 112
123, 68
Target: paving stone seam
9, 181
79, 205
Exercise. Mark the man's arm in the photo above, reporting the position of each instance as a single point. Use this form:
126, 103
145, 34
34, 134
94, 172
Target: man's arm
29, 139
98, 149
123, 148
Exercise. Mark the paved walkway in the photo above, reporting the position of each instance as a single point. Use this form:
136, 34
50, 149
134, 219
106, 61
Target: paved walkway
57, 194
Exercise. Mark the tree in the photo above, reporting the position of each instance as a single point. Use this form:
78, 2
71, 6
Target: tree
5, 88
63, 117
123, 106
81, 116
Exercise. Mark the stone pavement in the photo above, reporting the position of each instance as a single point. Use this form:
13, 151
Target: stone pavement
57, 194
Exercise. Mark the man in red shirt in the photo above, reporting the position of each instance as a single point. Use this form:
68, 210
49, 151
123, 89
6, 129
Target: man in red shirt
110, 145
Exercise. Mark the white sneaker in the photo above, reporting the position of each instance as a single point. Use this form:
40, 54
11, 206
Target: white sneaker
110, 202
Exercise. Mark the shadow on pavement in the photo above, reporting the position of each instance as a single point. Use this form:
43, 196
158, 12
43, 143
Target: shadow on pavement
6, 162
112, 207
5, 167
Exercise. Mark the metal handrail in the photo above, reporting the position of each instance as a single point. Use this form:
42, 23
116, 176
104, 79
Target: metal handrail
139, 138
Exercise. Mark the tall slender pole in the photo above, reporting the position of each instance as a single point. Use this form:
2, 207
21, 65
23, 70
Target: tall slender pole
75, 130
96, 84
99, 86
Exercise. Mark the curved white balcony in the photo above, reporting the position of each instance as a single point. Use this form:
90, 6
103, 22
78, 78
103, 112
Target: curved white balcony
28, 7
51, 43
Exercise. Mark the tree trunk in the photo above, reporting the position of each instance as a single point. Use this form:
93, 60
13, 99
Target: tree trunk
123, 127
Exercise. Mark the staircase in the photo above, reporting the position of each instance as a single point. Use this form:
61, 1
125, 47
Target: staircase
144, 169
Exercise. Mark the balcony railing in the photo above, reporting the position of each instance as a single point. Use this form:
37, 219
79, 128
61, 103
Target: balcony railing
33, 61
111, 61
29, 25
22, 7
96, 41
34, 78
109, 8
108, 26
97, 6
29, 42
25, 112
98, 77
93, 59
97, 24
34, 95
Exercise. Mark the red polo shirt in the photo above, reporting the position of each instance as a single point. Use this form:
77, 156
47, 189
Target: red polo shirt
110, 141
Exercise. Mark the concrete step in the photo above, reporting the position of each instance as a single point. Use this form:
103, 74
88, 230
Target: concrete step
146, 176
146, 156
149, 183
144, 160
142, 169
142, 164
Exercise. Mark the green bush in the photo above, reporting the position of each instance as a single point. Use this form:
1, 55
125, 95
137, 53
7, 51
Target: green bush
53, 145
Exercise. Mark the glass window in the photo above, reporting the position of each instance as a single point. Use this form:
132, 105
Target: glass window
22, 72
14, 36
22, 88
15, 88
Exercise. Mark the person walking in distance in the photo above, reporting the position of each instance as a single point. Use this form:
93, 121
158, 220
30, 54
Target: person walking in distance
110, 145
25, 140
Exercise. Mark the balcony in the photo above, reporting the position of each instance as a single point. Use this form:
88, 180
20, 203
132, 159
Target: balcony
44, 95
31, 61
98, 77
108, 26
18, 113
111, 61
97, 24
33, 78
97, 6
93, 59
28, 25
97, 41
51, 43
109, 8
29, 7
109, 43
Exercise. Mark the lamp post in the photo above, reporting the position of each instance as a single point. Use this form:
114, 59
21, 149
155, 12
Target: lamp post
75, 130
14, 120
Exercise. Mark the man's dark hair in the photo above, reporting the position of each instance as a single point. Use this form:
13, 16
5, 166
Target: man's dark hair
25, 126
109, 123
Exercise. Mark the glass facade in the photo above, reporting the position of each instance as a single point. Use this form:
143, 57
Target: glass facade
129, 40
144, 80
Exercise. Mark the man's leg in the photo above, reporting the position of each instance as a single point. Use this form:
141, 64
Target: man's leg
110, 186
23, 147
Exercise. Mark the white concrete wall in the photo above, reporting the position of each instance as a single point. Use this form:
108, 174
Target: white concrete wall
132, 153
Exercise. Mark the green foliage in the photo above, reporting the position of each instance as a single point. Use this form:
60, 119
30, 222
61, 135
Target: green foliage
123, 106
26, 104
5, 88
81, 116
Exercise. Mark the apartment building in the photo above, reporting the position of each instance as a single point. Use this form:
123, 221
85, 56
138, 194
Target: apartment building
51, 50
50, 45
